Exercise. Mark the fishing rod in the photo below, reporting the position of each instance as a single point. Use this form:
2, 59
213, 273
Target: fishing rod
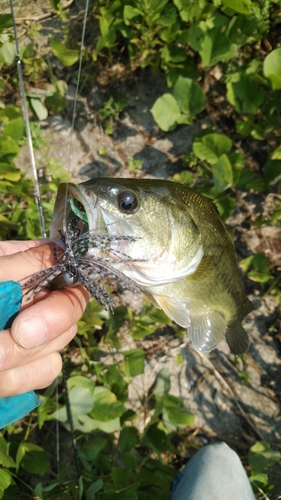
16, 407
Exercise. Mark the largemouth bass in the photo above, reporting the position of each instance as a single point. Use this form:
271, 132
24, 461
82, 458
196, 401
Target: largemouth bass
171, 242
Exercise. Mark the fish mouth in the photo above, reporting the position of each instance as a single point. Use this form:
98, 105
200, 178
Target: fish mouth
74, 204
77, 212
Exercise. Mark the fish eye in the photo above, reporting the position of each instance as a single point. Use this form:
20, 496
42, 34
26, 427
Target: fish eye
128, 202
78, 209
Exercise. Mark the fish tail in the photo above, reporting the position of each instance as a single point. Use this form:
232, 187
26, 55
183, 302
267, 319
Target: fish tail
237, 338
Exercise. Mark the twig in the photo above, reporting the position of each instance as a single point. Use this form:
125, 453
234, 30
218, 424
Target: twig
247, 417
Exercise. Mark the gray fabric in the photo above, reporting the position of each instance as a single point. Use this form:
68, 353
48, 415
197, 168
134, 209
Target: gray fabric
214, 473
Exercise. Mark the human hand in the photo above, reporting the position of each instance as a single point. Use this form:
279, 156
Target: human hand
29, 350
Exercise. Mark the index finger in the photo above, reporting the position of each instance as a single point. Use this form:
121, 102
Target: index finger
17, 266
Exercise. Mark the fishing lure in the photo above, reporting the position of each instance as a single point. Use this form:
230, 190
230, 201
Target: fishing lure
76, 266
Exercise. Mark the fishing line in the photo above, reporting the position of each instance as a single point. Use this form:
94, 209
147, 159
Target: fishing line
67, 400
39, 202
27, 128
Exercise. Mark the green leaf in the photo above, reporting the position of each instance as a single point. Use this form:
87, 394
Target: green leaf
261, 456
162, 384
15, 129
276, 154
211, 147
222, 48
8, 51
81, 400
5, 480
80, 381
272, 68
133, 362
6, 21
166, 112
128, 439
56, 103
156, 438
8, 146
179, 417
222, 174
6, 460
189, 96
226, 207
33, 458
242, 6
130, 13
106, 406
39, 109
244, 93
67, 57
94, 488
10, 176
272, 171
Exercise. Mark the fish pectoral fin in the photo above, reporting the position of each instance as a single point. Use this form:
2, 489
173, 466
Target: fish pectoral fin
153, 300
207, 330
176, 310
237, 338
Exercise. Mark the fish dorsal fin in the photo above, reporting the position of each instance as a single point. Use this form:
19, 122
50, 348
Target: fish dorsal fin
176, 310
207, 330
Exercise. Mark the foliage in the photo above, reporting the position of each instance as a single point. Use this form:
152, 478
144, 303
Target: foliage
202, 48
261, 456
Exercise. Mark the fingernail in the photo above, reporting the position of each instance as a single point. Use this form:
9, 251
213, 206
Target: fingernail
31, 332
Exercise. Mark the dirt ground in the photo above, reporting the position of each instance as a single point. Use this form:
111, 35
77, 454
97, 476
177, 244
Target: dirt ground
210, 385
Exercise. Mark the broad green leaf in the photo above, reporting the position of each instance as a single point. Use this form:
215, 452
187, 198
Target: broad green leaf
242, 6
261, 456
128, 439
94, 488
15, 129
39, 109
106, 406
272, 171
80, 381
157, 438
8, 51
173, 54
189, 96
5, 480
244, 93
166, 112
10, 112
56, 103
222, 174
133, 362
88, 424
272, 68
81, 400
10, 176
33, 458
6, 21
8, 146
210, 147
260, 479
67, 57
276, 154
162, 384
179, 417
226, 207
130, 13
237, 164
222, 47
6, 460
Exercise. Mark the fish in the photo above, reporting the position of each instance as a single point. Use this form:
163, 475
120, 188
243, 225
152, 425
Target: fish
168, 240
